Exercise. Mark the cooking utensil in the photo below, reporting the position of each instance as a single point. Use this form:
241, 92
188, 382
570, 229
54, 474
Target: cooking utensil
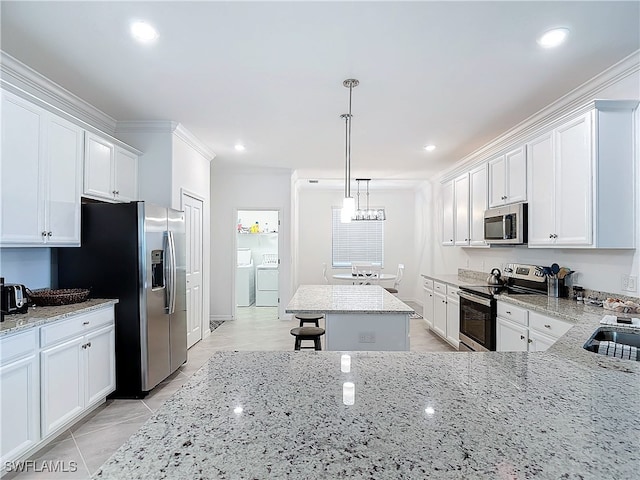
555, 268
494, 277
564, 271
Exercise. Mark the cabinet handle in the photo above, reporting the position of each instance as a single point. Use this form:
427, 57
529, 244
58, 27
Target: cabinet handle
84, 346
49, 234
89, 344
530, 341
521, 337
551, 235
113, 191
508, 312
85, 323
44, 234
547, 326
117, 192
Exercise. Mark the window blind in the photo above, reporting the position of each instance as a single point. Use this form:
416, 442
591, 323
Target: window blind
358, 241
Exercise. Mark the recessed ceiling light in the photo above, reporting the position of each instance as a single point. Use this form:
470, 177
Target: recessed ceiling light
553, 38
429, 148
143, 32
239, 147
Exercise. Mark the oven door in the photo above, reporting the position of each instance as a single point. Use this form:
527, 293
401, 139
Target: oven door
477, 322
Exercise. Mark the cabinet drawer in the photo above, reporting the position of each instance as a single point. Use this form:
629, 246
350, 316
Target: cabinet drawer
513, 313
427, 283
76, 325
553, 327
440, 287
17, 345
452, 292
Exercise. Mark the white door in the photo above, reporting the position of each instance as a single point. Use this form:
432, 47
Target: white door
447, 213
510, 337
100, 374
478, 202
440, 314
98, 166
542, 202
453, 322
516, 188
193, 222
427, 311
497, 181
461, 210
126, 175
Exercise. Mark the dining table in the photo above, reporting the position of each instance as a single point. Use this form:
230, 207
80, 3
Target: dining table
350, 276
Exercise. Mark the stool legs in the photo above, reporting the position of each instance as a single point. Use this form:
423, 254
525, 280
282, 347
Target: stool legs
315, 322
297, 344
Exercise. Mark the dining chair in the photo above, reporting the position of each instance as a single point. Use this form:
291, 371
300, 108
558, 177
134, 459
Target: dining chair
399, 275
324, 273
365, 273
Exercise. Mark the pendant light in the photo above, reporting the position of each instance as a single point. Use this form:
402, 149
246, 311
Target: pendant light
367, 213
348, 203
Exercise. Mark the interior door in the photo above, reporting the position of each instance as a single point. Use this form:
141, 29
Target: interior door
193, 222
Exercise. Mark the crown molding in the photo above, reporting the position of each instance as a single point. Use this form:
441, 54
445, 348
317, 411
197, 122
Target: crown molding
25, 82
166, 126
578, 100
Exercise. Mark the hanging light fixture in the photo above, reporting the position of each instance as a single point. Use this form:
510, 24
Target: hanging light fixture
348, 203
349, 211
367, 213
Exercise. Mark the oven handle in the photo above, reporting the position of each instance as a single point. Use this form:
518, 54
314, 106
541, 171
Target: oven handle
475, 298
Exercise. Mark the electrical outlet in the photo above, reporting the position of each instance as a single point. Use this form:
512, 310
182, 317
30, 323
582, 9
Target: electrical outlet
629, 283
367, 337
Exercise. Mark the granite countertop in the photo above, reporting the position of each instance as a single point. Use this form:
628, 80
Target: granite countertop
345, 299
249, 415
40, 315
455, 279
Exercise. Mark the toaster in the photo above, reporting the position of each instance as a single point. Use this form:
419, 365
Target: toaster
14, 298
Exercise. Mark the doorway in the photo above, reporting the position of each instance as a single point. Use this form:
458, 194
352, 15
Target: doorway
192, 207
257, 266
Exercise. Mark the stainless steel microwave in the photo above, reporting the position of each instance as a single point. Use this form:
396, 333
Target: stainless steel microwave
506, 225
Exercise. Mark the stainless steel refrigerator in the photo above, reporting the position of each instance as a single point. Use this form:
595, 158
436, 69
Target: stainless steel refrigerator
135, 252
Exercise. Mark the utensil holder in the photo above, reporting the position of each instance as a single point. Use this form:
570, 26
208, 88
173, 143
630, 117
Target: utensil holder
552, 286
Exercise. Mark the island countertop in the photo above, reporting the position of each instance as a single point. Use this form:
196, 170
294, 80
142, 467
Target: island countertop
491, 415
345, 299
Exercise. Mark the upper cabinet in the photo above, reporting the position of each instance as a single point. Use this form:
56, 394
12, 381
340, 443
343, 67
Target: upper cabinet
508, 178
41, 176
447, 213
581, 180
461, 209
110, 172
478, 204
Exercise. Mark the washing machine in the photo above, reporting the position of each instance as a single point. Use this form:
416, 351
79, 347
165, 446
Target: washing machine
245, 279
267, 281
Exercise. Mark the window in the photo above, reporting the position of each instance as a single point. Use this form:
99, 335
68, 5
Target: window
361, 241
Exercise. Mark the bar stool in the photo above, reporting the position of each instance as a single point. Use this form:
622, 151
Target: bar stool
309, 318
307, 333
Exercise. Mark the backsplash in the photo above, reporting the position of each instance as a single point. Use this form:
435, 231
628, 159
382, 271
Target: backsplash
29, 266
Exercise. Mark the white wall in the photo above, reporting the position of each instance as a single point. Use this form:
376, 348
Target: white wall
29, 266
314, 234
596, 269
245, 189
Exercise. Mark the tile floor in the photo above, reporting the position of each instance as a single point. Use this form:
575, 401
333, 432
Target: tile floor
92, 441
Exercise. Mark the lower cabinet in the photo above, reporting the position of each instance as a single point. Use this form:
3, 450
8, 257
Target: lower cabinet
446, 312
20, 405
521, 330
453, 316
427, 310
440, 314
51, 374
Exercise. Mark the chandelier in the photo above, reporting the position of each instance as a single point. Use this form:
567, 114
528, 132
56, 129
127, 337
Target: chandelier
349, 211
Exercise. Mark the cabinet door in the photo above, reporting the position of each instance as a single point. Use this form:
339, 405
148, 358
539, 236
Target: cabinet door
126, 176
21, 180
62, 384
541, 191
539, 342
64, 182
516, 188
19, 408
453, 321
98, 167
497, 181
461, 210
427, 311
573, 175
510, 337
447, 213
100, 373
440, 314
478, 201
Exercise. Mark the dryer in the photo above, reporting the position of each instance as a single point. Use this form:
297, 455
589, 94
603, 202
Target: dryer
245, 278
267, 281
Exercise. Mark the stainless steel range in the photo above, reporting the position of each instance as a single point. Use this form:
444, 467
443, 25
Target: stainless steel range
478, 304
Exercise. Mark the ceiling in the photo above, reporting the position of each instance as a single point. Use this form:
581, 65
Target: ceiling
269, 74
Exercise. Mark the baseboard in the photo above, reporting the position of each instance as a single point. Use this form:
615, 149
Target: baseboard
220, 318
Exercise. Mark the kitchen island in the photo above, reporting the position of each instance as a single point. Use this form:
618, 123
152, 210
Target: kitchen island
357, 317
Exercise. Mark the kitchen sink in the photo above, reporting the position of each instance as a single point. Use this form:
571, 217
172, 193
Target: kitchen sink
624, 338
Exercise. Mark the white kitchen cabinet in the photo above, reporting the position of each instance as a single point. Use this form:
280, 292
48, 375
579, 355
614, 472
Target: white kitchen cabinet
77, 364
581, 180
41, 176
478, 204
508, 178
427, 309
461, 209
110, 172
447, 213
538, 342
440, 314
20, 405
453, 316
510, 336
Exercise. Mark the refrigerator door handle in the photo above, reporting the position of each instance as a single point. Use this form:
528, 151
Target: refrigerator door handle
174, 274
167, 272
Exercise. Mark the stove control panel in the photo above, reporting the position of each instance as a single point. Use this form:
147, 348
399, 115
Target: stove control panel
524, 272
